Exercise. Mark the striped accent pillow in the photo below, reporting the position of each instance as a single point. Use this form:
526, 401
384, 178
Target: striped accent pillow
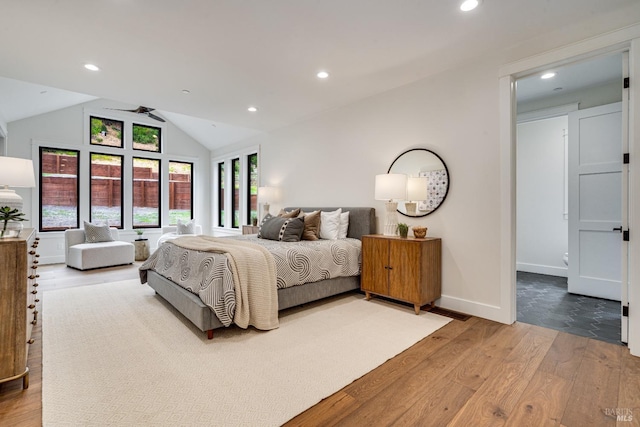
97, 233
282, 229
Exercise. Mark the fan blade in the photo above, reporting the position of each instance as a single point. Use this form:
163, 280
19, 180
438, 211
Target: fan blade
119, 109
153, 116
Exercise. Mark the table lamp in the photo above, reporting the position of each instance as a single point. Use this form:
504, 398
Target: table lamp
266, 195
390, 187
417, 189
15, 172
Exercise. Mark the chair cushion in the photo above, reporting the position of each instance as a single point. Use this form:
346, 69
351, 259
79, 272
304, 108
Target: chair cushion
86, 256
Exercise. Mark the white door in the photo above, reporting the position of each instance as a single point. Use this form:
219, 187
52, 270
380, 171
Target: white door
595, 201
624, 301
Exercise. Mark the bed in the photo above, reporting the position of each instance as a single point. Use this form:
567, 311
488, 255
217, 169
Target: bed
361, 222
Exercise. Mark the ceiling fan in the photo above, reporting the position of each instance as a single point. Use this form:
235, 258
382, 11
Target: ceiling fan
143, 110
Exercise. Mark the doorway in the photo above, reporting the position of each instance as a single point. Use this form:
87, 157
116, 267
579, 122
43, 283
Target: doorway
546, 194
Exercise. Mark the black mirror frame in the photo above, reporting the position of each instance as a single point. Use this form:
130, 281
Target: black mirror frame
448, 180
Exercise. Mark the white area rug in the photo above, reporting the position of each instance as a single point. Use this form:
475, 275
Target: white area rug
117, 354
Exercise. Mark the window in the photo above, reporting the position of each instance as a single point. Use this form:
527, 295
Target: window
105, 198
221, 195
238, 173
180, 192
106, 132
146, 138
146, 192
252, 187
235, 200
59, 188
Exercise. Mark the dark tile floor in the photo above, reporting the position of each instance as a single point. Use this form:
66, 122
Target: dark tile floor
544, 301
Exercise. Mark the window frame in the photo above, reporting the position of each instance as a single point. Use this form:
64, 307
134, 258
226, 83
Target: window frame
221, 204
192, 201
122, 133
122, 179
222, 218
42, 148
159, 151
236, 180
247, 193
133, 207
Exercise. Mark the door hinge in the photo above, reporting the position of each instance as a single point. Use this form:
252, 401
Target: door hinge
625, 83
625, 158
625, 235
625, 310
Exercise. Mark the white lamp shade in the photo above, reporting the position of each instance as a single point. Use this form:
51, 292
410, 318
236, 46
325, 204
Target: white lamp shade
15, 172
391, 186
267, 194
417, 188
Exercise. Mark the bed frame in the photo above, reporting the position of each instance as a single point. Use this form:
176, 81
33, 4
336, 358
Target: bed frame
361, 221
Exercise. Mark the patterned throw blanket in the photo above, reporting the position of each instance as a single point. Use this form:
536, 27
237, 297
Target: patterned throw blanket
252, 269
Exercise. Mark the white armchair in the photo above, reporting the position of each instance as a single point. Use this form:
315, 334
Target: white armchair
85, 256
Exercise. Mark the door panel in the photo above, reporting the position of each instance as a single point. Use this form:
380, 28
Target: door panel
598, 129
405, 260
375, 259
595, 201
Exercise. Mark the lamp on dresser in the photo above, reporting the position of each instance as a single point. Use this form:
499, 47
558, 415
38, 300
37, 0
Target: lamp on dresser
267, 195
15, 172
390, 187
417, 189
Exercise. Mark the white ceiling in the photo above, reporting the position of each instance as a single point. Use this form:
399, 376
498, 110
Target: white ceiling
571, 78
233, 54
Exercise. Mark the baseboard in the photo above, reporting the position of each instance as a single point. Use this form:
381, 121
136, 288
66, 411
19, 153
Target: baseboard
54, 259
486, 311
542, 269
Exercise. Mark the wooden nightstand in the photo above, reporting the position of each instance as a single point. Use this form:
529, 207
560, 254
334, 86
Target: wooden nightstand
408, 270
250, 229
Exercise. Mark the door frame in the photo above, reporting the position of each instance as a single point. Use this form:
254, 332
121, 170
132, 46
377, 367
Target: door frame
625, 39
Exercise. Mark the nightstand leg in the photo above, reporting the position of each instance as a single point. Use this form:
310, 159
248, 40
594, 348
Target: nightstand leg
367, 295
416, 307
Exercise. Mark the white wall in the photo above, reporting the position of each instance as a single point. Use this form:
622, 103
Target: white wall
332, 159
67, 127
542, 226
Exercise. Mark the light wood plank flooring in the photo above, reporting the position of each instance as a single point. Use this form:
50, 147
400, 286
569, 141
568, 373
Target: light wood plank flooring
469, 373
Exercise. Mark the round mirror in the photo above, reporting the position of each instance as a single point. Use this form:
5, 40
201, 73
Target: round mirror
427, 181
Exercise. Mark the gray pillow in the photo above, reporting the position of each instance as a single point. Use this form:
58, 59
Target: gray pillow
97, 233
281, 229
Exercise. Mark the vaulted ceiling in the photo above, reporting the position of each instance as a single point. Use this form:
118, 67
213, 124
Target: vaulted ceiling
232, 54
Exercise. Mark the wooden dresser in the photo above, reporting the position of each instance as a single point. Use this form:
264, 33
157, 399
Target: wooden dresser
405, 269
18, 298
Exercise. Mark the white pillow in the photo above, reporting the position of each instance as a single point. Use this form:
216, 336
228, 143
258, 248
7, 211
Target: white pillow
186, 227
330, 224
344, 225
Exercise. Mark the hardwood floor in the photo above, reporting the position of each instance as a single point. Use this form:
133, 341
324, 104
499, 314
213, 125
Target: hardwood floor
469, 373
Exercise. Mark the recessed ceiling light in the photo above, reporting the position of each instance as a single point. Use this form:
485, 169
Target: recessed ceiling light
91, 67
186, 91
322, 75
252, 109
468, 5
547, 75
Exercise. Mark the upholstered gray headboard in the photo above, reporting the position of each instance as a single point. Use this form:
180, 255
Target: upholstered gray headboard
361, 220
